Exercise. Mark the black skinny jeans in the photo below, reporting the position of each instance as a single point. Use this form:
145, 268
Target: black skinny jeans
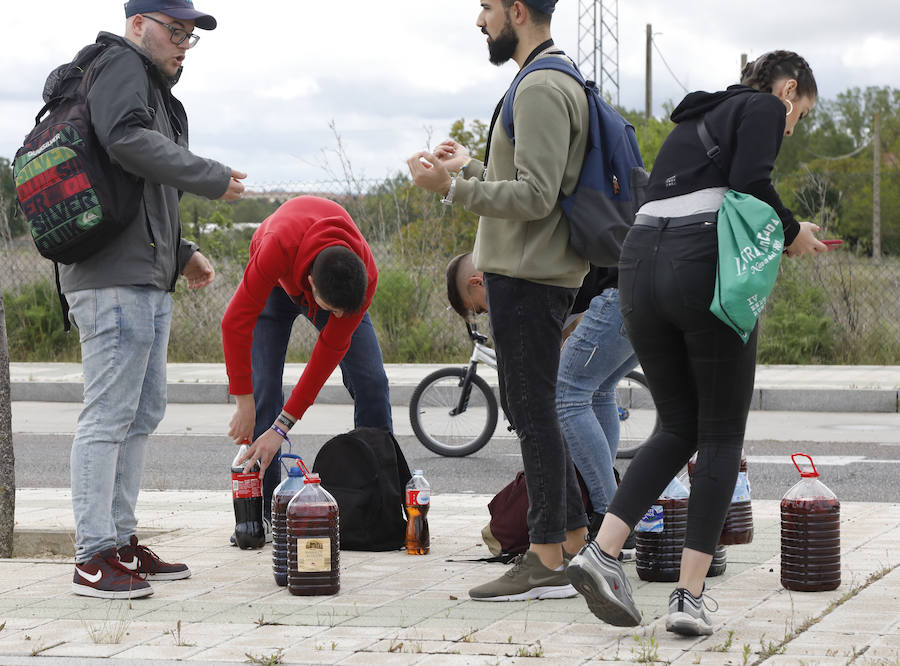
699, 373
526, 321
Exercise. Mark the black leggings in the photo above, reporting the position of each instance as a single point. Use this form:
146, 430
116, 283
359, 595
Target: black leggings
699, 372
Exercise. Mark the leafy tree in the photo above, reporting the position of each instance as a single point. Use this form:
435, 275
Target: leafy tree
651, 132
10, 218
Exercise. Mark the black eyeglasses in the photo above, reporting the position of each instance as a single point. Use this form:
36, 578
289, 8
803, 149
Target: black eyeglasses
178, 35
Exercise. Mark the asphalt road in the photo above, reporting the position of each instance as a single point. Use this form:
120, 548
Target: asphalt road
859, 471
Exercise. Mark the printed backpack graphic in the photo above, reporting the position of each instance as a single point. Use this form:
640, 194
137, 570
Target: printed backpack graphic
74, 199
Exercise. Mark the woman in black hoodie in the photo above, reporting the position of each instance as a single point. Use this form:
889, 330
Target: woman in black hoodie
699, 371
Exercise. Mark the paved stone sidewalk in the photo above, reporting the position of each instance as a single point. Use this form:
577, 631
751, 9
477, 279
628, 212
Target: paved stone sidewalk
396, 609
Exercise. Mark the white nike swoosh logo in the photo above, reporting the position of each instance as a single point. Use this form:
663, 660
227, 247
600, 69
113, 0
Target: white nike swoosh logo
91, 578
133, 565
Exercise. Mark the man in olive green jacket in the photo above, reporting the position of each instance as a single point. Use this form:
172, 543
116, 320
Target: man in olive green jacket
531, 274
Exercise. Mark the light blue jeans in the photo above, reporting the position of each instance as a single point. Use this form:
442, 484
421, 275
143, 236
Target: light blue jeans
124, 333
594, 358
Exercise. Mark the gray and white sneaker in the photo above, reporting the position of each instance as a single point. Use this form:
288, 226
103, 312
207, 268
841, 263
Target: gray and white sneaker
687, 613
602, 582
528, 579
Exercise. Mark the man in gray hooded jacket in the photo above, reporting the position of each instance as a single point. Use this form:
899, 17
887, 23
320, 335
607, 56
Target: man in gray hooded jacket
120, 299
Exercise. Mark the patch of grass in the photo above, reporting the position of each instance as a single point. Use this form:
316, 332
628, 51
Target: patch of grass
647, 651
177, 636
724, 647
111, 630
265, 659
536, 651
771, 648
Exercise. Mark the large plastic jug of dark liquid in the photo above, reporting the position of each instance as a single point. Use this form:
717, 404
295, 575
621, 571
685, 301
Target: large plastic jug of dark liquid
810, 534
314, 546
282, 496
738, 526
659, 537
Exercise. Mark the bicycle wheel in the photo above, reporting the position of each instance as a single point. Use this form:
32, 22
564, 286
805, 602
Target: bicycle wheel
637, 414
432, 407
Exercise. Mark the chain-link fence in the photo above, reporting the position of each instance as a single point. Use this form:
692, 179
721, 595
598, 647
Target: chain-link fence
838, 308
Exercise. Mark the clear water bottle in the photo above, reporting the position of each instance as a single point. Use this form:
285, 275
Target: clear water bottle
246, 495
281, 497
659, 538
314, 543
810, 534
418, 499
738, 526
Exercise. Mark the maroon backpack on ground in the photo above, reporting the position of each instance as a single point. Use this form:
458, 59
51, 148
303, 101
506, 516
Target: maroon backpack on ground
507, 534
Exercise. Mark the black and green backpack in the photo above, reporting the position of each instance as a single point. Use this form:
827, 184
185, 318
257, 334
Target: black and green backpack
74, 198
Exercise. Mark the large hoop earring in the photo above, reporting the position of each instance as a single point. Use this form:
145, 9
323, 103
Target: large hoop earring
791, 109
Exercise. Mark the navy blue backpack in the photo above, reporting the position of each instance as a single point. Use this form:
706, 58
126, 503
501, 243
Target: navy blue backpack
613, 180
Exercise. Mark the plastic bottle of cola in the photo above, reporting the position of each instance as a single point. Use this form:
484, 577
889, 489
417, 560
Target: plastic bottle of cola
246, 493
810, 534
418, 499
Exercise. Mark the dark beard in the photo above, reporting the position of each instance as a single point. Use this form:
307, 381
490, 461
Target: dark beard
501, 49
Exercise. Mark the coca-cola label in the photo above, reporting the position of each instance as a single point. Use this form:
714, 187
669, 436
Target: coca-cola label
418, 497
245, 486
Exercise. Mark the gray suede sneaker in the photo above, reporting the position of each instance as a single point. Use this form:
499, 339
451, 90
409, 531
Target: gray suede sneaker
602, 581
687, 614
528, 579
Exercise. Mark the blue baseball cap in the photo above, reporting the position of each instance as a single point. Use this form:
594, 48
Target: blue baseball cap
543, 6
179, 9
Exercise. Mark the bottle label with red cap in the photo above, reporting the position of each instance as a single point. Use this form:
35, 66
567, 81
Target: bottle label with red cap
245, 486
418, 497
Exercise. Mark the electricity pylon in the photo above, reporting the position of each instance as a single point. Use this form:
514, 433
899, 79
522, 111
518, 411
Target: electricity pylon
598, 45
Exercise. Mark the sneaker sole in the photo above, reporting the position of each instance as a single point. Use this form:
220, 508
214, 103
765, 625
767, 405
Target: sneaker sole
687, 625
87, 591
600, 599
172, 575
550, 592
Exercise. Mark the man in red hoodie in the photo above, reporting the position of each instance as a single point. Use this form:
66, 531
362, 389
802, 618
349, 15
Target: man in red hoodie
307, 258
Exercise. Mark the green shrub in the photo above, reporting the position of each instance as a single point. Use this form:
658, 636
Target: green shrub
34, 325
795, 329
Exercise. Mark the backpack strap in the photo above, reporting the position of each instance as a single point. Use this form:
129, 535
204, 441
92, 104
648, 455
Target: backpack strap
506, 102
713, 151
566, 66
63, 303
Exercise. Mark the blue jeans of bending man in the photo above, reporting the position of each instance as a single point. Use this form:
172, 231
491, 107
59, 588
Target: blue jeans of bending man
362, 370
527, 320
124, 333
594, 358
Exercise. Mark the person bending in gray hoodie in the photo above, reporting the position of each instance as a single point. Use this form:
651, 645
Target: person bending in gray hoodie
119, 298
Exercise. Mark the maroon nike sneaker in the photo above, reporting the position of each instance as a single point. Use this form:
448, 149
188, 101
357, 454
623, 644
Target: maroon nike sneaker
104, 576
143, 562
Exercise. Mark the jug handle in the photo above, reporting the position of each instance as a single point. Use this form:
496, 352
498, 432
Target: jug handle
812, 464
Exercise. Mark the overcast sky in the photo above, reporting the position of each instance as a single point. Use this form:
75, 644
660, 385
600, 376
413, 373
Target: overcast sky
263, 88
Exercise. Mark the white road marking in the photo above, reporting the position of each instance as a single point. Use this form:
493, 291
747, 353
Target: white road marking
818, 460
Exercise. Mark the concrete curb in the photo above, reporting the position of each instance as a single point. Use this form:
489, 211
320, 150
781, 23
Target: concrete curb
778, 388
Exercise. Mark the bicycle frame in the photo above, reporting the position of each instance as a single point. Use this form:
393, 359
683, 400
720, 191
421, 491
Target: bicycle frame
481, 353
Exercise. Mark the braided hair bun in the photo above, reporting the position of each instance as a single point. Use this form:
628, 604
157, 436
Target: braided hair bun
769, 68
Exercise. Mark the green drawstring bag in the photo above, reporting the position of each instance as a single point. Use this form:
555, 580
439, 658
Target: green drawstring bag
751, 240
